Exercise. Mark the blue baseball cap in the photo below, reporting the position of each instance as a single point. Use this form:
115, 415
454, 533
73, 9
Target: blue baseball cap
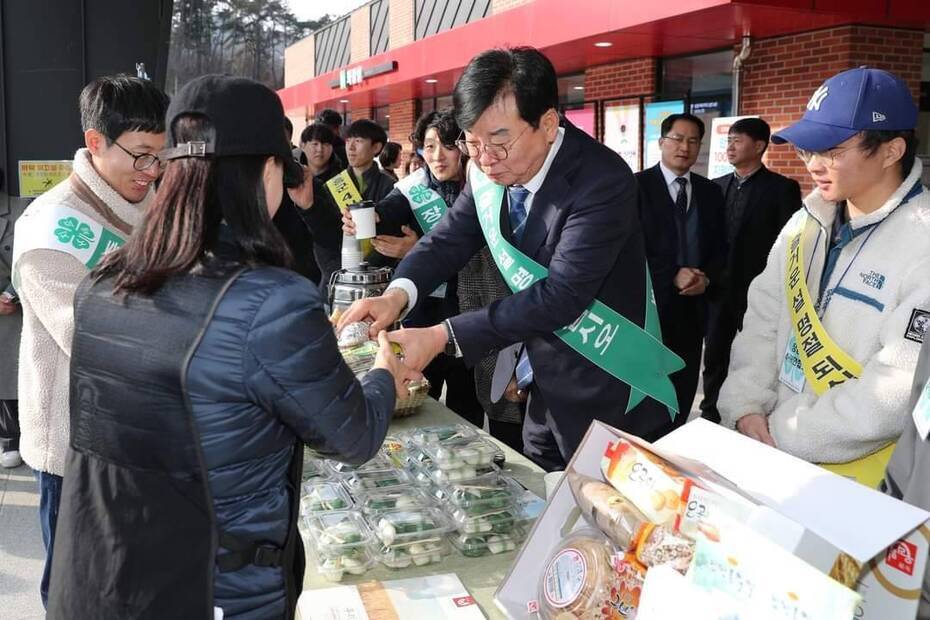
849, 102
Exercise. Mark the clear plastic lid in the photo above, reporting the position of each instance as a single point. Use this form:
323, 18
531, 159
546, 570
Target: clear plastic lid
462, 453
462, 474
437, 435
323, 496
314, 470
360, 481
414, 554
481, 495
337, 531
477, 545
501, 521
396, 498
394, 449
379, 463
401, 527
335, 566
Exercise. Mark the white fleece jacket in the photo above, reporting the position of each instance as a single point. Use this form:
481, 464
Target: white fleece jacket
48, 280
874, 315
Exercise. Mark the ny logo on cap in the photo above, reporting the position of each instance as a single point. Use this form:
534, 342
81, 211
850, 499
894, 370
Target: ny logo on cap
817, 98
878, 117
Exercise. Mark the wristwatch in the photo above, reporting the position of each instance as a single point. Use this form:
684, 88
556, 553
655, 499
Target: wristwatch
451, 348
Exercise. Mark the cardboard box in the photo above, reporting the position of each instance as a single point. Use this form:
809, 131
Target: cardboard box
803, 508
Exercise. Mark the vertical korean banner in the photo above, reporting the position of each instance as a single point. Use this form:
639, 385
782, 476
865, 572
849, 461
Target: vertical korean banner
717, 164
657, 112
621, 131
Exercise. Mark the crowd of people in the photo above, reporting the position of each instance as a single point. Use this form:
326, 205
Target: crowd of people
168, 302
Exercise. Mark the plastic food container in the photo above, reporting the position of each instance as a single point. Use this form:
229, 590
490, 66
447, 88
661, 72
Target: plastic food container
480, 496
401, 527
323, 496
436, 435
496, 522
379, 463
461, 453
459, 474
336, 531
477, 545
352, 561
396, 498
359, 482
314, 470
414, 554
394, 449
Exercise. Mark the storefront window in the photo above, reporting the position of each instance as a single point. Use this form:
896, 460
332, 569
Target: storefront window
705, 82
428, 104
382, 116
571, 89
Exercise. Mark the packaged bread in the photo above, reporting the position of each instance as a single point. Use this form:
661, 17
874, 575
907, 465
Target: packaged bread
645, 480
606, 509
661, 546
578, 580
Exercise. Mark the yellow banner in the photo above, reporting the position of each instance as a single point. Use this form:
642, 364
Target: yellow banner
344, 192
37, 177
824, 363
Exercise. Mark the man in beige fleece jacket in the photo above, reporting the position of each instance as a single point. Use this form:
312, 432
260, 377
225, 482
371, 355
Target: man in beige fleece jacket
59, 238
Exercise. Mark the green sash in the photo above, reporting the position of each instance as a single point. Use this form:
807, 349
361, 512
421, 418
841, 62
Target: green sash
607, 339
427, 205
56, 227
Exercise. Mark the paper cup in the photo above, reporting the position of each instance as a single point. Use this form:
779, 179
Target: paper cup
551, 480
363, 214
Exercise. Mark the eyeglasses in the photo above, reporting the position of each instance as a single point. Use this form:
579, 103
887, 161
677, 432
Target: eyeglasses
691, 142
143, 161
828, 157
500, 152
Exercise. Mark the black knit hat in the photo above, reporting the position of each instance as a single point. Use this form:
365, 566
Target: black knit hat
247, 117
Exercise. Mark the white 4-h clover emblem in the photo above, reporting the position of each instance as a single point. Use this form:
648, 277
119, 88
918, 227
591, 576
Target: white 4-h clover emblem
419, 194
75, 232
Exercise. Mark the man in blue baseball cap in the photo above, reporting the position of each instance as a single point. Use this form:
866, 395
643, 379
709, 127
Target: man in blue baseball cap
823, 366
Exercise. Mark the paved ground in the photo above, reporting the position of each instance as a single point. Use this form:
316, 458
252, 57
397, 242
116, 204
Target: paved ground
21, 552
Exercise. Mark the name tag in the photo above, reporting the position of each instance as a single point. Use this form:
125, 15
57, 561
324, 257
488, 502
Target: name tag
791, 373
921, 413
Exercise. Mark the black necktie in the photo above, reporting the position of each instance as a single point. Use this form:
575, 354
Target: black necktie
681, 200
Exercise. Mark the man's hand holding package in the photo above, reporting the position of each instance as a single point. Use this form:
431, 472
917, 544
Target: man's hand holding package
381, 311
387, 360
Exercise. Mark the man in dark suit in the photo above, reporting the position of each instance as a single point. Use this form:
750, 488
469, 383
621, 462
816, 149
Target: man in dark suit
758, 203
569, 204
683, 224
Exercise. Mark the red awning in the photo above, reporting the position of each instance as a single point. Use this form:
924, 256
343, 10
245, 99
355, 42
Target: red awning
567, 31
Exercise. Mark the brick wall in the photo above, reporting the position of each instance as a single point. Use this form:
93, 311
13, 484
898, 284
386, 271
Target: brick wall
299, 62
498, 6
403, 120
360, 113
400, 21
359, 35
781, 74
622, 79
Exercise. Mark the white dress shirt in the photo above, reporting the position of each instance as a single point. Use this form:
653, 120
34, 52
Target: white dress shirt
533, 186
672, 184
